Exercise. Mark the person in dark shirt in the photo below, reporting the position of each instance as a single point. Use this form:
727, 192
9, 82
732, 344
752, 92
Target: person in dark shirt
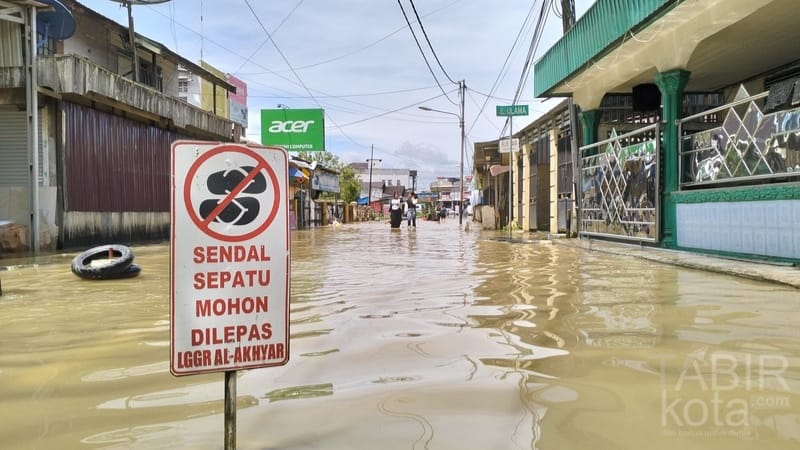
411, 209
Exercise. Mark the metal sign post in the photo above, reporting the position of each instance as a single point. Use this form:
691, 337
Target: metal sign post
229, 265
510, 111
510, 179
230, 410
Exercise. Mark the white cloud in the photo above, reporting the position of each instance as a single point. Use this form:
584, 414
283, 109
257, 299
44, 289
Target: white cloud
348, 52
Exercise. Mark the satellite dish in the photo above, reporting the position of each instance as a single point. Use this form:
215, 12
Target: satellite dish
56, 24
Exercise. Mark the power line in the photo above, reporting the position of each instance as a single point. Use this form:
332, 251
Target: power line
267, 40
392, 111
422, 52
537, 35
172, 26
505, 63
313, 96
481, 111
341, 96
288, 80
495, 97
286, 61
535, 39
372, 44
424, 33
556, 11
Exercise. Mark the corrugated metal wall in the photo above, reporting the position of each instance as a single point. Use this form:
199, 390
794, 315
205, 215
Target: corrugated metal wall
13, 149
114, 164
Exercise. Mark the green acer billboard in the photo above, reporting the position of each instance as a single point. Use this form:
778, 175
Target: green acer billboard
296, 130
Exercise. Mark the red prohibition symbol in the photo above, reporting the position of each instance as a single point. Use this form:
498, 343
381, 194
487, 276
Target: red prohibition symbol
204, 223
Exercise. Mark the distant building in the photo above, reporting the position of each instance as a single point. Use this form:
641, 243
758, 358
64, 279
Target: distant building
446, 191
390, 176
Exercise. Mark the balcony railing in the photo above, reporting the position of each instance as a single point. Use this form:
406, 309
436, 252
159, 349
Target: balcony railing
73, 75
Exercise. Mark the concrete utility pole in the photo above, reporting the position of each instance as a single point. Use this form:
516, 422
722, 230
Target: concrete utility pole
462, 87
568, 21
567, 14
132, 39
369, 188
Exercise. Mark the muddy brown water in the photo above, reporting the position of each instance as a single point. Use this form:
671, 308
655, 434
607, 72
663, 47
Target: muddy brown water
434, 338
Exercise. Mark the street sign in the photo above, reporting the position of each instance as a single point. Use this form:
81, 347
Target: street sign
229, 266
296, 130
512, 110
507, 145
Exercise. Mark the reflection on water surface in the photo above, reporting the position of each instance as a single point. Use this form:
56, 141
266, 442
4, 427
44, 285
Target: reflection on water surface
432, 338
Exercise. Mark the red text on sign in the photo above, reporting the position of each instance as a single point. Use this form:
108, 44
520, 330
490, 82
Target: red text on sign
230, 253
243, 354
197, 358
231, 306
227, 279
231, 333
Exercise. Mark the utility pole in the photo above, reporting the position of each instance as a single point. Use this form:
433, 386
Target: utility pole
132, 39
462, 86
369, 188
568, 21
567, 14
510, 175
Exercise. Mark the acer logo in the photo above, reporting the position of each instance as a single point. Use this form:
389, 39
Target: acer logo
290, 126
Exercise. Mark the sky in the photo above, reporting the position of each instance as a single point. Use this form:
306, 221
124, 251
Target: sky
359, 61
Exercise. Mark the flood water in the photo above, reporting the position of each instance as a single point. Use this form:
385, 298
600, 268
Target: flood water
434, 338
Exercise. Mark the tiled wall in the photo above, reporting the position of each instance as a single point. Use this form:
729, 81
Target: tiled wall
770, 228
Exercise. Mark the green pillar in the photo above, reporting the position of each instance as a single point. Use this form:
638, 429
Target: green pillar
671, 84
589, 122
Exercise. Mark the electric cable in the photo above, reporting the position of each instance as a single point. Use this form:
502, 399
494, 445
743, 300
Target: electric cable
430, 69
359, 50
535, 39
341, 96
392, 111
424, 33
249, 58
286, 61
481, 111
505, 63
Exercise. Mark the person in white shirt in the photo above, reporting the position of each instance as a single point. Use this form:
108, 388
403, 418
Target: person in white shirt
396, 210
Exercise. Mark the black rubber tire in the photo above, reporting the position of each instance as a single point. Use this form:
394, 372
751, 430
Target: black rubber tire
132, 271
123, 257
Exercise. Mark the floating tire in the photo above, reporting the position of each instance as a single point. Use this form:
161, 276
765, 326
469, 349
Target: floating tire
105, 262
132, 271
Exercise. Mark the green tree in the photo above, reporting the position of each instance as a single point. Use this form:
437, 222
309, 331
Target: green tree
349, 184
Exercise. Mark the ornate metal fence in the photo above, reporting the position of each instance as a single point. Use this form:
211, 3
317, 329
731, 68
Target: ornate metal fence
619, 186
749, 145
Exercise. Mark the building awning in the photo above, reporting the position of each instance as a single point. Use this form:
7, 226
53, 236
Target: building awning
497, 169
296, 176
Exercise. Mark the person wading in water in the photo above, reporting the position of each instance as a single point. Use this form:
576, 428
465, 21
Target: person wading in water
411, 209
396, 210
